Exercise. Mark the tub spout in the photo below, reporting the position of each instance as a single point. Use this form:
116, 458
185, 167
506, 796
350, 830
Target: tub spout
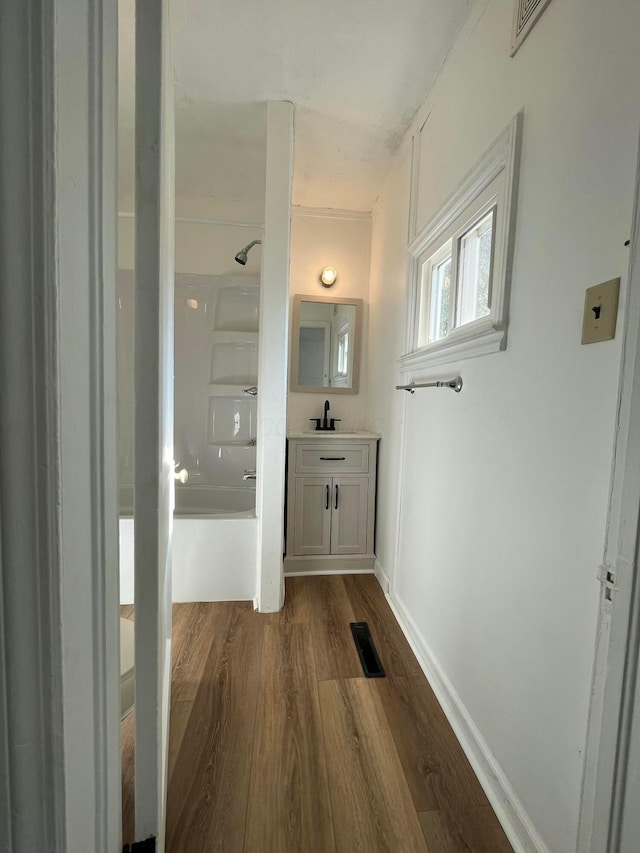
249, 475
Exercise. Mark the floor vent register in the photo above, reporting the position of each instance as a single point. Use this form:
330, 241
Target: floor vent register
371, 665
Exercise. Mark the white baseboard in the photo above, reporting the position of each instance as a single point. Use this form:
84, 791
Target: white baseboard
318, 572
383, 577
509, 810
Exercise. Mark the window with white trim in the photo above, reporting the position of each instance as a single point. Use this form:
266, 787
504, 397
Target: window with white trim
461, 265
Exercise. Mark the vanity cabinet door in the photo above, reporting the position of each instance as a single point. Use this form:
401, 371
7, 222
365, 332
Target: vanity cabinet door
349, 515
312, 525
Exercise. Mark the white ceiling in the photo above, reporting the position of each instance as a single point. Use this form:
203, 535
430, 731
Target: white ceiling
356, 71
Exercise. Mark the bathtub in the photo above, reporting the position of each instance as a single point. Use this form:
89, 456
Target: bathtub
203, 501
214, 544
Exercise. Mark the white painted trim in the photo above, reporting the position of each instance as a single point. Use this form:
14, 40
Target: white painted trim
330, 213
32, 772
482, 340
413, 189
59, 625
615, 660
382, 576
487, 335
273, 358
154, 420
499, 157
412, 136
509, 810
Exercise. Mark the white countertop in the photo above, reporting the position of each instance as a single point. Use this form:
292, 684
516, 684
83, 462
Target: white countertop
338, 434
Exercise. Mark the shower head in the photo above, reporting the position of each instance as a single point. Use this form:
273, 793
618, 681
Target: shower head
241, 257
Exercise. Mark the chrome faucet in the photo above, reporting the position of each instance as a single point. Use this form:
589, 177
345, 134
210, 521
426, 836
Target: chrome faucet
180, 474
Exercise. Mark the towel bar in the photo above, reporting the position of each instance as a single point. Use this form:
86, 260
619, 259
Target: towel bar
454, 384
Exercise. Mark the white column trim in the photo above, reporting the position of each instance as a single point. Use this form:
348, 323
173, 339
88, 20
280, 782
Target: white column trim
273, 358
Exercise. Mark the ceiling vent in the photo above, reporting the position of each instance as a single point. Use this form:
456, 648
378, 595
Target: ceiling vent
525, 15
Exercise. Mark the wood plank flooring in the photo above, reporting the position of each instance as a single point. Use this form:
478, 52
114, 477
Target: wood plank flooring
279, 744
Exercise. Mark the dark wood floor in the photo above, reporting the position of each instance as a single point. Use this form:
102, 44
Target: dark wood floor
278, 743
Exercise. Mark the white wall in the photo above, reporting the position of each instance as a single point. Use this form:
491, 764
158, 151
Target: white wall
344, 242
505, 486
386, 317
201, 249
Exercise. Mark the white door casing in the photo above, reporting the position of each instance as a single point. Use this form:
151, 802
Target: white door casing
59, 675
154, 482
612, 760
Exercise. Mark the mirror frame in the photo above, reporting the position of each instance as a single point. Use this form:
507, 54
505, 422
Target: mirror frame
295, 345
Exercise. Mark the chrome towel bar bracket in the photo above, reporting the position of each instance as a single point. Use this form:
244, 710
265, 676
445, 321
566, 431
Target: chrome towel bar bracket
454, 384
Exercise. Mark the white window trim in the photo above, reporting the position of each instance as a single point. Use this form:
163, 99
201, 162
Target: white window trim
487, 334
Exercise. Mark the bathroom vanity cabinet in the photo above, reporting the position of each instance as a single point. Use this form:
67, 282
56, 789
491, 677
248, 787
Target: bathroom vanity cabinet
331, 490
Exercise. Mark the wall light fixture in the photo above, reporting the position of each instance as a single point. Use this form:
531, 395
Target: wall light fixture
328, 276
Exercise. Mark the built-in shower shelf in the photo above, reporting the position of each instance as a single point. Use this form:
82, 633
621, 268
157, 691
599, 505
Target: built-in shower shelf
237, 308
233, 362
241, 444
233, 337
216, 389
224, 389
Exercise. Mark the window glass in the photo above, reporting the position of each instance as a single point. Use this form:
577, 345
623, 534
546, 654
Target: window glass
435, 298
474, 271
440, 301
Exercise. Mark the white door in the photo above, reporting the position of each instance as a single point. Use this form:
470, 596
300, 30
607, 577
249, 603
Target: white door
154, 496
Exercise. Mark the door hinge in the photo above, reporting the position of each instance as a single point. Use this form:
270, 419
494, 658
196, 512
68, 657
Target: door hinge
607, 577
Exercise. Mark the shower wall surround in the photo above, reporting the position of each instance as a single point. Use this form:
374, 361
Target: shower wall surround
216, 375
216, 359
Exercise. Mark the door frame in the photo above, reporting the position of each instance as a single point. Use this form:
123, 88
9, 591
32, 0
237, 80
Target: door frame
326, 326
613, 711
154, 423
59, 613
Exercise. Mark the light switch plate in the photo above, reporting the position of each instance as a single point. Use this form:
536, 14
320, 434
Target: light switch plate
600, 312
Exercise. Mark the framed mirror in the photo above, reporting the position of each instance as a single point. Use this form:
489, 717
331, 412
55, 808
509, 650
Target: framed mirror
325, 352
